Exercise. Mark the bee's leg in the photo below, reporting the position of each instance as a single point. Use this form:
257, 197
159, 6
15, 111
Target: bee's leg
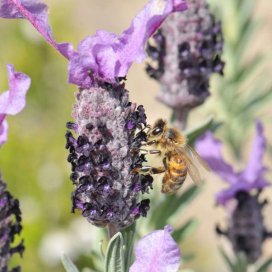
221, 232
145, 170
152, 142
152, 151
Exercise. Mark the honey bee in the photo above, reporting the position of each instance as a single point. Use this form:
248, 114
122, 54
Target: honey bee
179, 159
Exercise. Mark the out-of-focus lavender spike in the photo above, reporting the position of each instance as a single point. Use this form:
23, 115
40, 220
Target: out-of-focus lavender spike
185, 53
246, 229
10, 227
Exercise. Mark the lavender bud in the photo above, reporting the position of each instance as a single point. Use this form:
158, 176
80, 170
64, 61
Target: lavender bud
110, 129
10, 226
246, 230
186, 51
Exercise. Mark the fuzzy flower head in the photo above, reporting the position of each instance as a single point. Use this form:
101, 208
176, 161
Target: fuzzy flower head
13, 100
107, 129
157, 252
184, 54
10, 227
246, 228
252, 177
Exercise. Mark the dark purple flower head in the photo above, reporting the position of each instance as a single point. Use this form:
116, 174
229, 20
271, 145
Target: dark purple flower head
103, 157
252, 177
246, 229
158, 252
13, 100
184, 54
10, 226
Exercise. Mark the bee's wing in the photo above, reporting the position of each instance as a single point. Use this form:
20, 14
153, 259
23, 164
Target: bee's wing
191, 159
195, 156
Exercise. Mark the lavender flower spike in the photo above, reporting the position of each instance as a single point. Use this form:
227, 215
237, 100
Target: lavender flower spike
13, 100
110, 129
185, 52
252, 177
246, 229
10, 226
157, 252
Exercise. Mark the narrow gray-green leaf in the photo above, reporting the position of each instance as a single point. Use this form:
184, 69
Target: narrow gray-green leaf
265, 266
115, 255
128, 236
228, 261
68, 264
258, 101
194, 133
241, 264
171, 205
185, 230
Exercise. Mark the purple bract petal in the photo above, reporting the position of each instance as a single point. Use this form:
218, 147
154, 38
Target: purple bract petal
225, 195
255, 169
109, 56
13, 100
3, 132
36, 13
157, 252
210, 150
247, 180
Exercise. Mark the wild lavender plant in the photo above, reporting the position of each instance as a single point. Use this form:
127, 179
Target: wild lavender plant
185, 52
246, 228
11, 103
106, 191
109, 128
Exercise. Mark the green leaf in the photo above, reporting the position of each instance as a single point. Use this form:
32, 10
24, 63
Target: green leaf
265, 266
128, 236
68, 264
242, 264
185, 230
115, 254
245, 11
248, 32
171, 205
193, 134
257, 102
227, 260
188, 257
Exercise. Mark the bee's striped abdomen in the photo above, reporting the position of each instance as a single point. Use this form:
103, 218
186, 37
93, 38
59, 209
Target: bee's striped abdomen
175, 174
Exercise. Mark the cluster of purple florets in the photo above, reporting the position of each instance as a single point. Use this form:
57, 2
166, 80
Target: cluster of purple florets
190, 45
246, 229
110, 131
10, 226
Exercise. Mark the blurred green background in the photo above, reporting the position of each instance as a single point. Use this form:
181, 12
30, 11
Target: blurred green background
33, 161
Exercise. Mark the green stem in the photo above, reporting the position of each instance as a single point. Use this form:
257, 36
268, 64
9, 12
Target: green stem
179, 117
112, 230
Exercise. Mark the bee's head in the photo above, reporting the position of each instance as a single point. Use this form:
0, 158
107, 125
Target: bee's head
157, 129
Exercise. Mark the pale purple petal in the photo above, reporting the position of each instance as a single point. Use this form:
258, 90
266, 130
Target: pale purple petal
3, 132
36, 13
13, 100
157, 252
210, 150
227, 194
255, 168
109, 56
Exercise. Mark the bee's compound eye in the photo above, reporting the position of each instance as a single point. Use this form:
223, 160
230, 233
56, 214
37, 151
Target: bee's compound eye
157, 131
